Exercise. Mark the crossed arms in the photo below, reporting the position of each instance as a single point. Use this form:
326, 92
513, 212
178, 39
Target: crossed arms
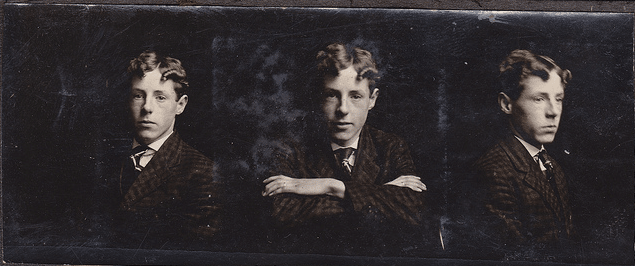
328, 186
303, 193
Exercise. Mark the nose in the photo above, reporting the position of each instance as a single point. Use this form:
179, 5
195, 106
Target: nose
554, 108
148, 106
343, 107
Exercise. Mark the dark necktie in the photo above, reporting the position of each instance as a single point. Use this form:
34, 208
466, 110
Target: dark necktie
546, 161
342, 156
131, 168
136, 155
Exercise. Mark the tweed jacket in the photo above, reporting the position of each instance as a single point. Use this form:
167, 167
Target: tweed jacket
380, 158
522, 202
175, 198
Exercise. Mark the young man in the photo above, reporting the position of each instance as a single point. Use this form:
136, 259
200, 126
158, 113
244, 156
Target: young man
165, 192
527, 195
348, 180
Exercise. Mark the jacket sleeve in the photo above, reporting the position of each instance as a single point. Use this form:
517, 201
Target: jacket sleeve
391, 202
500, 203
291, 209
202, 207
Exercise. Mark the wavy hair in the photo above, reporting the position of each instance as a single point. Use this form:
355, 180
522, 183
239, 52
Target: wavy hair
521, 64
337, 57
169, 67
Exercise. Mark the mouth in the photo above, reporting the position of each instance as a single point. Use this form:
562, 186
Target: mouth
145, 123
550, 128
341, 125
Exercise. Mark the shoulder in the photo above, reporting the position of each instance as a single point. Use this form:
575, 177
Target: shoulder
494, 153
284, 152
309, 144
496, 158
383, 140
507, 160
285, 147
192, 154
188, 157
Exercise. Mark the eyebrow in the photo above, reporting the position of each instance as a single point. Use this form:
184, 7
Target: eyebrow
351, 90
547, 94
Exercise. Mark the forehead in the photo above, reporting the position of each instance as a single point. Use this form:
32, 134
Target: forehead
151, 81
347, 79
534, 84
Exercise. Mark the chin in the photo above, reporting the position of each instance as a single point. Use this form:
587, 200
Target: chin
145, 136
341, 137
545, 139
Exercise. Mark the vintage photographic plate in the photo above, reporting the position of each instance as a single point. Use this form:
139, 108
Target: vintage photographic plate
64, 122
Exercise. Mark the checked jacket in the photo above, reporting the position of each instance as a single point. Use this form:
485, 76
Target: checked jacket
520, 200
381, 157
175, 199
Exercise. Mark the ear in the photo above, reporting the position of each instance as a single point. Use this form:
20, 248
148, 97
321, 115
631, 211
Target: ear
505, 103
180, 104
373, 98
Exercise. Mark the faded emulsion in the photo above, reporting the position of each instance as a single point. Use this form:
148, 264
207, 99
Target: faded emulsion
64, 120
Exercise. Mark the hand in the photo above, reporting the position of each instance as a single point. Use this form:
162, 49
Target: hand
303, 186
409, 181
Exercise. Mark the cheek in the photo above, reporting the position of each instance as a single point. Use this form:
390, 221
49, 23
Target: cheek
166, 107
526, 111
328, 108
535, 114
361, 107
523, 118
134, 107
533, 122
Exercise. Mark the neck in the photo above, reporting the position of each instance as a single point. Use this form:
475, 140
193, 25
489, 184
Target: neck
347, 143
523, 136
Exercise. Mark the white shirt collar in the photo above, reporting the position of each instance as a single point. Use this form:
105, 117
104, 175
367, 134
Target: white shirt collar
335, 146
156, 145
533, 151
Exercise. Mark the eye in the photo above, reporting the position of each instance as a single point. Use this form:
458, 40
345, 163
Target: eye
559, 99
137, 96
355, 96
539, 99
161, 98
330, 95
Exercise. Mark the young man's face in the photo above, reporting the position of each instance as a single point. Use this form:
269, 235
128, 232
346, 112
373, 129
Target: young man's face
154, 106
346, 104
535, 115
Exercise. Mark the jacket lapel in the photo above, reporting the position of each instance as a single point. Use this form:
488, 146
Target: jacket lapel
531, 173
563, 190
156, 173
319, 158
365, 169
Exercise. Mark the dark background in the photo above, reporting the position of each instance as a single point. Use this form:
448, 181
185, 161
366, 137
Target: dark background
64, 89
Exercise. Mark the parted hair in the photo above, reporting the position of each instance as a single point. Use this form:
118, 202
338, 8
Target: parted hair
521, 64
169, 67
337, 57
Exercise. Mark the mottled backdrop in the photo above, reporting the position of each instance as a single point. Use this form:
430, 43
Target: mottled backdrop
64, 90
